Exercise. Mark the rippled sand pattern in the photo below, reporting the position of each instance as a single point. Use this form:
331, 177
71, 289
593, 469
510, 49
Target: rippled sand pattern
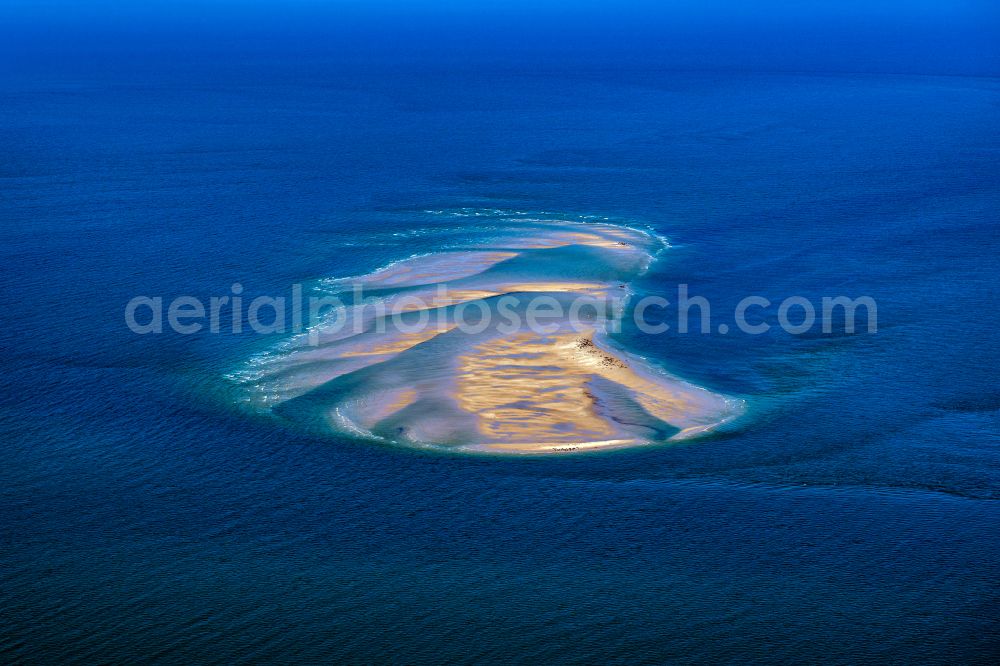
529, 391
494, 389
533, 393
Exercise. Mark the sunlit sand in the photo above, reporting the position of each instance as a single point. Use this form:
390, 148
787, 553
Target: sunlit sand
535, 393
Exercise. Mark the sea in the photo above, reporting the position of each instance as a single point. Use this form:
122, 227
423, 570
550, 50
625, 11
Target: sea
848, 514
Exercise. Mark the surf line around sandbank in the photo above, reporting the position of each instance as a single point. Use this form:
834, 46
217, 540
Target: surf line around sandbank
498, 389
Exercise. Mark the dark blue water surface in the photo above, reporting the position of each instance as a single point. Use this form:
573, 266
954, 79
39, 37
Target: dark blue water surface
851, 514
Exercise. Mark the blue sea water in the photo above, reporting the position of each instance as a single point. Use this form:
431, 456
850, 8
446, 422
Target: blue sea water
850, 516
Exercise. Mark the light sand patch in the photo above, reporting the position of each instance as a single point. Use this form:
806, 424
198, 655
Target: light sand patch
533, 393
416, 303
